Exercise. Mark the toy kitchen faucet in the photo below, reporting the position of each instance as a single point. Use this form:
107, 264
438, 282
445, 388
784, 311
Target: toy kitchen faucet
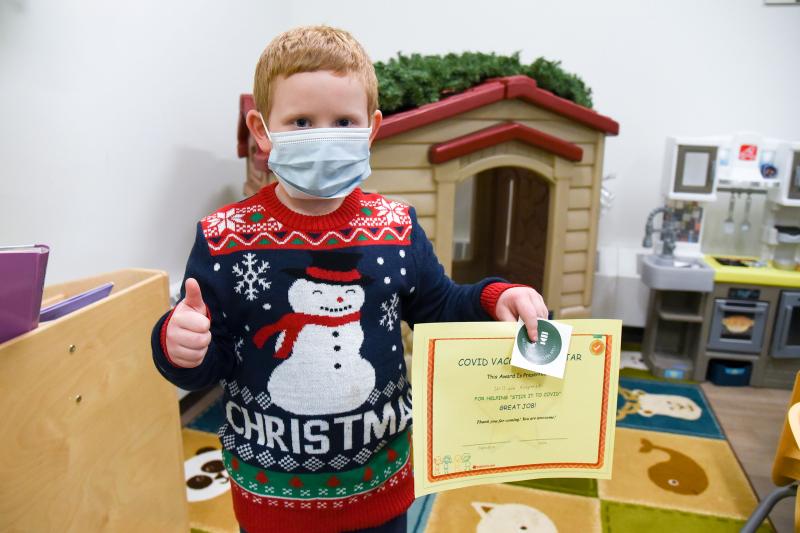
667, 231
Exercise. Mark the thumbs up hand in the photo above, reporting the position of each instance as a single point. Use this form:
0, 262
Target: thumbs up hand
189, 329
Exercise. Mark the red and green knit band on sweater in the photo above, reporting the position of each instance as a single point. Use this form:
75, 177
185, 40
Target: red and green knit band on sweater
383, 465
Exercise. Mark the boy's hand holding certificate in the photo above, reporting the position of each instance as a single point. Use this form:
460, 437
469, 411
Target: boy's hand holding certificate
479, 419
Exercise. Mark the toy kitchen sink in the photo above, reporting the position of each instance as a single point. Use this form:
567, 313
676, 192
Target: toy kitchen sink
670, 273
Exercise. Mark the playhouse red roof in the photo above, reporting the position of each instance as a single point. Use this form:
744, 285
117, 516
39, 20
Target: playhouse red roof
499, 133
490, 91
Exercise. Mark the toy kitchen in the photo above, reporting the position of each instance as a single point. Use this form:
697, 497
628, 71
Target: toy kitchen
724, 300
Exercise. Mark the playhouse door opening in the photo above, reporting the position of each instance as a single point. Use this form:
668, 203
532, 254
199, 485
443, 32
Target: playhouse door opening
500, 226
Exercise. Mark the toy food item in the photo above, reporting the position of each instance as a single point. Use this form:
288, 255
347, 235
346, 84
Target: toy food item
737, 324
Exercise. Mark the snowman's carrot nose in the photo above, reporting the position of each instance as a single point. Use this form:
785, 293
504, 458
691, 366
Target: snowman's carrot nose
339, 299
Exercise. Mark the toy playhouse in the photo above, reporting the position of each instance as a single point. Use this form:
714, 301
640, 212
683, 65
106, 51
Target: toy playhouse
505, 178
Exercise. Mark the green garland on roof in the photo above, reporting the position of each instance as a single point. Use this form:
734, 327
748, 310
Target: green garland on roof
409, 81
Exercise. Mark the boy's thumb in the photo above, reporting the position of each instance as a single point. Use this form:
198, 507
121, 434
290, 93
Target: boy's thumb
194, 298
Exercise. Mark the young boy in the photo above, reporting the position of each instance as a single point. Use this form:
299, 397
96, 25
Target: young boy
292, 301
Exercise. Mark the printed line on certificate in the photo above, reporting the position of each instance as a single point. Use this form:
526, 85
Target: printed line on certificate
487, 443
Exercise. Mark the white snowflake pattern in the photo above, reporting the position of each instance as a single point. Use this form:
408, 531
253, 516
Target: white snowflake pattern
389, 309
393, 211
251, 276
238, 348
222, 220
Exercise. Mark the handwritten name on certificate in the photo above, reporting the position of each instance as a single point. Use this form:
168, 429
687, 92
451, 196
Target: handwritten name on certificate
479, 420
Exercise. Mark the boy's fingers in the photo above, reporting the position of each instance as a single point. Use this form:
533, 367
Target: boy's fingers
192, 320
504, 313
192, 340
194, 298
540, 306
529, 315
187, 358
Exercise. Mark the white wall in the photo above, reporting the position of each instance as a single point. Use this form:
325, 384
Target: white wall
119, 122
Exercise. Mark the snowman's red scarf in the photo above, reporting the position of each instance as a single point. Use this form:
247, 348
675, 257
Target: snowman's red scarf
292, 323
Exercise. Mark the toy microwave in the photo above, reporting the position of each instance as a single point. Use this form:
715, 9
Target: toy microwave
695, 167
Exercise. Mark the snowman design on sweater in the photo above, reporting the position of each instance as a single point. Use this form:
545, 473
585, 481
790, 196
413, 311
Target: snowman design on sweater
322, 371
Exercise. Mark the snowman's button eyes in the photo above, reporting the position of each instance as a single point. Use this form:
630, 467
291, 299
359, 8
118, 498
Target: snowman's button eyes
337, 348
337, 366
348, 291
335, 333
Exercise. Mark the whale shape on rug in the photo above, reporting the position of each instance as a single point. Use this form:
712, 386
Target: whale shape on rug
679, 473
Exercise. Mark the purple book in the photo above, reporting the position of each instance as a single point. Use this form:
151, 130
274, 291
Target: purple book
22, 270
65, 307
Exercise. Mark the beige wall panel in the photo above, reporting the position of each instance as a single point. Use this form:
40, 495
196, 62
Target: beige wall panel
513, 148
580, 198
402, 180
598, 170
441, 131
573, 282
578, 219
563, 129
582, 176
542, 156
588, 153
510, 110
458, 126
571, 300
574, 261
576, 241
399, 155
575, 312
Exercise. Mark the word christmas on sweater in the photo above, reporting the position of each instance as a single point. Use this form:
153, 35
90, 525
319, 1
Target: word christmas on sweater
312, 436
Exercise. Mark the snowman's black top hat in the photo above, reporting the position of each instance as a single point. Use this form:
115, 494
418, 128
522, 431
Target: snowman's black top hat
332, 267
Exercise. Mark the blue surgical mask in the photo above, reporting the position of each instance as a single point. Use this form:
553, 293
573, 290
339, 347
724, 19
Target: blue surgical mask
319, 162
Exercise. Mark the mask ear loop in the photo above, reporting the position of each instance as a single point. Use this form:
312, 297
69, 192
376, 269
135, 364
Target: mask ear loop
265, 127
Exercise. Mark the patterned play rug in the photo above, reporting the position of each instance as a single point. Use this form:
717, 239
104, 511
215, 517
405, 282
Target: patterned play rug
673, 472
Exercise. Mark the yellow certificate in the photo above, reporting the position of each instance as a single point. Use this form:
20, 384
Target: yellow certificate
478, 420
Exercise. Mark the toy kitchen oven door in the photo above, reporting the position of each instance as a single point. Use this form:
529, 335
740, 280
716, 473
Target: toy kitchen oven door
739, 322
786, 336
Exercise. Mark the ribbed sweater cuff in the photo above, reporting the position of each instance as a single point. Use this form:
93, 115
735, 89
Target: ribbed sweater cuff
491, 293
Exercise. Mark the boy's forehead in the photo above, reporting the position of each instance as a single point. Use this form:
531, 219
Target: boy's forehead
319, 90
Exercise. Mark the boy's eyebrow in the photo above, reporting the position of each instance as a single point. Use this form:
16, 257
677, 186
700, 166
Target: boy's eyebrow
348, 115
299, 114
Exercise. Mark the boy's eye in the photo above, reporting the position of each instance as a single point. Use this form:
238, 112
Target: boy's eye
344, 122
302, 122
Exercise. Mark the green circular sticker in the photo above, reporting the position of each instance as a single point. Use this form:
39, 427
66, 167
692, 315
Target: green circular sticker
545, 349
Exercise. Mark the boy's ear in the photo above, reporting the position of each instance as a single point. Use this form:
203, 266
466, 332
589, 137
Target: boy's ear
377, 118
256, 127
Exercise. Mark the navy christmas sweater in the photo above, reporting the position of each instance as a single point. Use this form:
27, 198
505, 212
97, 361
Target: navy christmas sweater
305, 320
